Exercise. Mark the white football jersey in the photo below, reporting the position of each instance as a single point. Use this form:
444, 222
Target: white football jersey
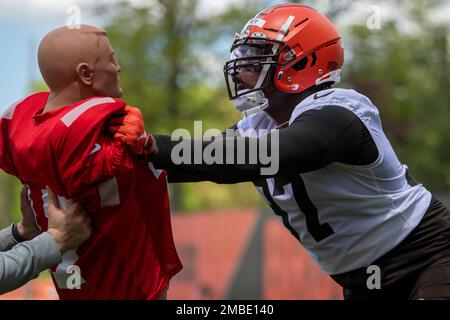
345, 216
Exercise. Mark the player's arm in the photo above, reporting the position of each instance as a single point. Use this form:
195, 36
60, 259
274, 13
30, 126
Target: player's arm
316, 139
128, 126
175, 176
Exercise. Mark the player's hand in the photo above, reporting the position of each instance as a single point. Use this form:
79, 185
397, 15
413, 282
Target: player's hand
128, 127
27, 227
69, 227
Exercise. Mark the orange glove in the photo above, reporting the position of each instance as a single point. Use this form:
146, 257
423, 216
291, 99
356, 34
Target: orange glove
128, 127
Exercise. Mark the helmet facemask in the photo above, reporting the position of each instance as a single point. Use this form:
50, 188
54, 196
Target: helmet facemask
255, 54
291, 34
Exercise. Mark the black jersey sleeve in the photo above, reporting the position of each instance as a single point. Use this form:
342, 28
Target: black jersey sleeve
314, 140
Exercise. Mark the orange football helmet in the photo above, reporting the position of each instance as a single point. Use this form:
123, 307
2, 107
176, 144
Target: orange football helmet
291, 44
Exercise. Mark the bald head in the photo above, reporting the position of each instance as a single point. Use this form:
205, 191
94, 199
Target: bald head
68, 56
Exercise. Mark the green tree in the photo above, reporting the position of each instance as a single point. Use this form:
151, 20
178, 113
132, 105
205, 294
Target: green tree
171, 54
8, 199
404, 69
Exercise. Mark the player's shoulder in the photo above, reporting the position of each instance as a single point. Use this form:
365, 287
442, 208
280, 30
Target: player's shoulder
334, 96
26, 104
337, 97
88, 111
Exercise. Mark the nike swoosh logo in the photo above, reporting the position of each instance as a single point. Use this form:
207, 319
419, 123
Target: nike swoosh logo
316, 96
96, 148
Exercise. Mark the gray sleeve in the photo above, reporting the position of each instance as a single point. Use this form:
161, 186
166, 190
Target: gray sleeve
26, 260
7, 240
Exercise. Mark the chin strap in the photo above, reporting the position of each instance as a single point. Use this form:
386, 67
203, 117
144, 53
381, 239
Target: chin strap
251, 102
257, 109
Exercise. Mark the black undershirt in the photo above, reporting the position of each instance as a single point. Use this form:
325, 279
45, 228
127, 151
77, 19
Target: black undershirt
314, 140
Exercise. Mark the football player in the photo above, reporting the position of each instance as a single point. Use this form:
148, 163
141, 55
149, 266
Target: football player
340, 188
57, 139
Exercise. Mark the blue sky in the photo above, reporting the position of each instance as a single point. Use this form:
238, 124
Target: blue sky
13, 70
23, 23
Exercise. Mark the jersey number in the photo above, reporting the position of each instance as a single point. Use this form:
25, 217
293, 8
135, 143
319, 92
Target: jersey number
318, 231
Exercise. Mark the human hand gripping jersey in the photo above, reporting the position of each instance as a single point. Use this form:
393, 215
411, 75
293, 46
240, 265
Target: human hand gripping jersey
131, 253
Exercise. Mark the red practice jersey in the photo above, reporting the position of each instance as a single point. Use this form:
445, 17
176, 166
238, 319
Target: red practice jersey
131, 254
